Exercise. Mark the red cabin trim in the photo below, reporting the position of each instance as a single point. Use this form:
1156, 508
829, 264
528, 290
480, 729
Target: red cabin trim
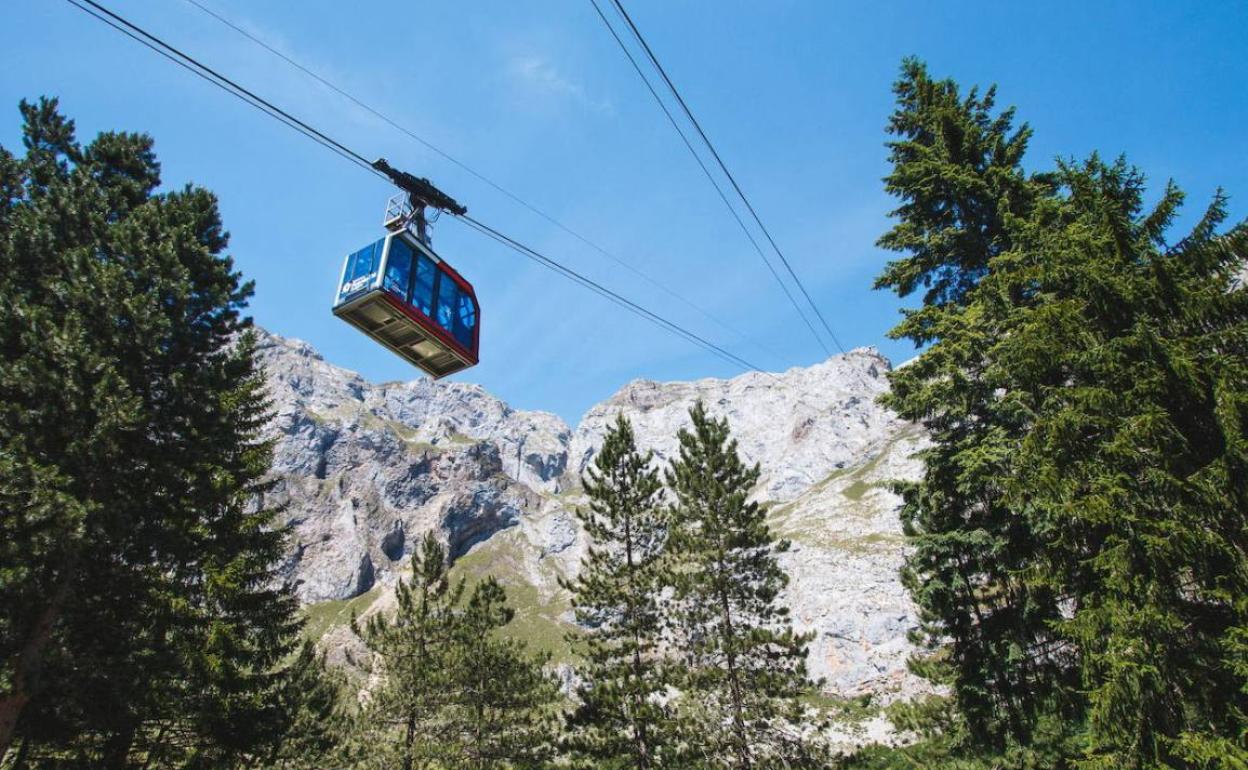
467, 287
428, 324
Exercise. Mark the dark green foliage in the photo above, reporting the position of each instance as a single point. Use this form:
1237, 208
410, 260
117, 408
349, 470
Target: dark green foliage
403, 723
620, 721
1132, 359
1080, 528
956, 168
745, 668
313, 696
503, 710
138, 622
450, 691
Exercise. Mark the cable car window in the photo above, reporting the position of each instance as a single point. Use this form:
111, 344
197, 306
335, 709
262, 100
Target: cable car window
448, 299
465, 320
359, 268
346, 273
365, 261
398, 268
422, 292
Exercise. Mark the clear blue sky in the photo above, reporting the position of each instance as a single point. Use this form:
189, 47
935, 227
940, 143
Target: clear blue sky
537, 96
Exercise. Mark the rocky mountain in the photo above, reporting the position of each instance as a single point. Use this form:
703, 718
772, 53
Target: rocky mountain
364, 470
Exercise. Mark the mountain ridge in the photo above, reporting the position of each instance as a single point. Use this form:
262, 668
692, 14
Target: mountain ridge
362, 470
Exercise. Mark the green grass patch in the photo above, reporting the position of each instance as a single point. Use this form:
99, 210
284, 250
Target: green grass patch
538, 621
322, 617
843, 710
856, 490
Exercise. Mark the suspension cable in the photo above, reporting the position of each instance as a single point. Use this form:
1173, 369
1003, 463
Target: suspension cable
623, 13
193, 65
598, 288
481, 177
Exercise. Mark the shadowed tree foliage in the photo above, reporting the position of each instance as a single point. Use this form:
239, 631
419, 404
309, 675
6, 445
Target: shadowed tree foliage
320, 722
617, 596
138, 619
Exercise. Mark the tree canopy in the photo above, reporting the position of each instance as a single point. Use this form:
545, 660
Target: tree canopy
139, 616
1079, 528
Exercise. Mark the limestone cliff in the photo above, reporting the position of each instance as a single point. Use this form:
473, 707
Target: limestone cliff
364, 470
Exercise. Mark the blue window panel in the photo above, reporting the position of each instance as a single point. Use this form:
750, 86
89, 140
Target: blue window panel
398, 268
366, 260
466, 320
448, 303
346, 274
361, 266
422, 289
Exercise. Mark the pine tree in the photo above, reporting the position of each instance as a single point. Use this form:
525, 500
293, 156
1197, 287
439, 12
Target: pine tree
138, 618
449, 690
320, 723
1080, 526
957, 170
1131, 356
620, 722
502, 712
405, 722
746, 668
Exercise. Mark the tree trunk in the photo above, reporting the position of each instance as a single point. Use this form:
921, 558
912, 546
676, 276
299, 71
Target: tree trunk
20, 762
730, 634
409, 738
640, 742
117, 748
30, 658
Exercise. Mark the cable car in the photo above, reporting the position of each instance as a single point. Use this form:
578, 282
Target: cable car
402, 294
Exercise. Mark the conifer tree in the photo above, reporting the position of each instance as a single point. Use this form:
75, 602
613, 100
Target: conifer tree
1079, 529
320, 723
620, 722
1131, 357
745, 666
450, 690
139, 622
957, 170
405, 723
502, 712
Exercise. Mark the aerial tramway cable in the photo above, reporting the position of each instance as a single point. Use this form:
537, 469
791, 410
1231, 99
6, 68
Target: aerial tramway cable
201, 70
619, 7
481, 177
714, 182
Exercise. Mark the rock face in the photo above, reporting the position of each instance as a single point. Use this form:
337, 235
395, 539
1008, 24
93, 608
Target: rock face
799, 426
364, 470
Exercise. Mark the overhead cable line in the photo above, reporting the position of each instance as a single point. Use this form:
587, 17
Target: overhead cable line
193, 65
620, 300
619, 7
479, 176
710, 177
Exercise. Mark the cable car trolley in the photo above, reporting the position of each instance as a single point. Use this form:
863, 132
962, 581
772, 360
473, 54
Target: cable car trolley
402, 294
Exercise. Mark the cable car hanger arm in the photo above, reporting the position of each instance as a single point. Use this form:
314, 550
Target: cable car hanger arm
420, 189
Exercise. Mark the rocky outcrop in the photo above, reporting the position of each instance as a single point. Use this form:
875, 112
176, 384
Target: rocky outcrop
799, 426
364, 470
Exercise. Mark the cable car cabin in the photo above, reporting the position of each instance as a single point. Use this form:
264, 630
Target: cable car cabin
401, 294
